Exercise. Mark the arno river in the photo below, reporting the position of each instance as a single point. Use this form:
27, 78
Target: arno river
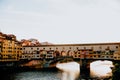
31, 75
34, 75
44, 74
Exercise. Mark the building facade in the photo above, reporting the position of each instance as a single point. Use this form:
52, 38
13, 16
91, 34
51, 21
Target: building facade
117, 55
77, 51
10, 48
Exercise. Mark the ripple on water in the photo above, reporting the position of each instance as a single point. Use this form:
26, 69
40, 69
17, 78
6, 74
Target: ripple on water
37, 75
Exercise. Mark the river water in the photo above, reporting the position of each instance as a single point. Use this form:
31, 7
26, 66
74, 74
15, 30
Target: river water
48, 74
31, 75
42, 74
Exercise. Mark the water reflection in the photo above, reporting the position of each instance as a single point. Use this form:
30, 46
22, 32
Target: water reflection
36, 76
49, 74
32, 75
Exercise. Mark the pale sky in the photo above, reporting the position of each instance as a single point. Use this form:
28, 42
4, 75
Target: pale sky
62, 21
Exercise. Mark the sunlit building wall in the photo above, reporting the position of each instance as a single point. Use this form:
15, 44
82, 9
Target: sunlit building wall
10, 48
0, 49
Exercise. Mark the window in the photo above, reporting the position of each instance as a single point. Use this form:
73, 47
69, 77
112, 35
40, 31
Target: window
100, 47
116, 47
95, 52
38, 56
102, 56
107, 56
98, 52
49, 55
37, 52
77, 48
78, 52
107, 48
94, 56
37, 48
84, 47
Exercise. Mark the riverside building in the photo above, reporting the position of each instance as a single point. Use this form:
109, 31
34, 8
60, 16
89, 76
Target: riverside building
77, 51
10, 48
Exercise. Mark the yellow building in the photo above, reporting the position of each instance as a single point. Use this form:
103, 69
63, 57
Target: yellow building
0, 49
11, 49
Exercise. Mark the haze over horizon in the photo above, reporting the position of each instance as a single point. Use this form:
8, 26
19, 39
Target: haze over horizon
62, 21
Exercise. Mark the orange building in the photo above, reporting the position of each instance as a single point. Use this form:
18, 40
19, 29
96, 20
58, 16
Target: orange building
11, 49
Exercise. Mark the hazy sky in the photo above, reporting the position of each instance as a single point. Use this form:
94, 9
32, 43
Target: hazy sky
62, 21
